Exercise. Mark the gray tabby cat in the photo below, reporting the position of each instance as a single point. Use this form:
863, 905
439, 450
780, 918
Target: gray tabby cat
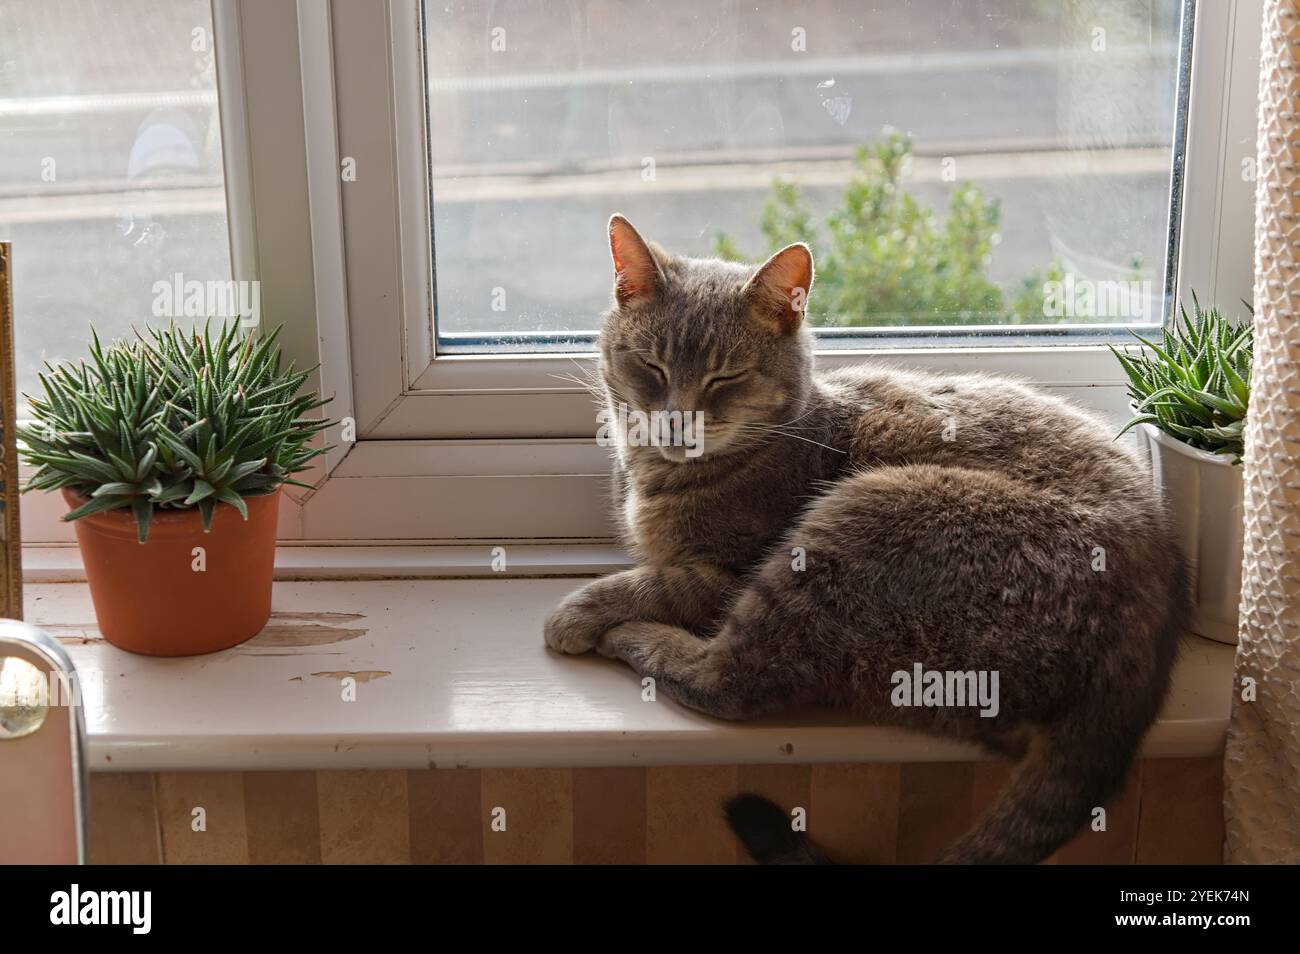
841, 528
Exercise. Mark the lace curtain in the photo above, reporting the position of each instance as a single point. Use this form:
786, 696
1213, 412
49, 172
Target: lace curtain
1262, 761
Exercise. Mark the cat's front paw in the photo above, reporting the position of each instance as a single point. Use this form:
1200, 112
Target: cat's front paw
575, 627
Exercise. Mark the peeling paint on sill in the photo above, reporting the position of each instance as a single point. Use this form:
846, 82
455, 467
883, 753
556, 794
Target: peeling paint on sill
74, 635
364, 675
307, 629
283, 630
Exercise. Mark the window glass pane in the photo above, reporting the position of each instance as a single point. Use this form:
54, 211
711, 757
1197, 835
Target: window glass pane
985, 163
111, 182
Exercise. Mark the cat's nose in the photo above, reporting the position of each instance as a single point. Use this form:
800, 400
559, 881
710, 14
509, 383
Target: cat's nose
683, 400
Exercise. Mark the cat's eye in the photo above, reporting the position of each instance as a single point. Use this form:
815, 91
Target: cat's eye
724, 379
656, 368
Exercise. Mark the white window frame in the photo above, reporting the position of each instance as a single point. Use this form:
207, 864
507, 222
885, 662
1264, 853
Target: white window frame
488, 448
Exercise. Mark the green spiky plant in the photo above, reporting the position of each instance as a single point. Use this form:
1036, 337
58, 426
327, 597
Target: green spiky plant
1195, 384
172, 421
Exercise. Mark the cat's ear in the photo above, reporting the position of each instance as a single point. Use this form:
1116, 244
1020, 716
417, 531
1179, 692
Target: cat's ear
778, 291
637, 275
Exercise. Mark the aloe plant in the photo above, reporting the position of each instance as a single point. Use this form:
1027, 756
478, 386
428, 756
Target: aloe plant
1195, 384
171, 421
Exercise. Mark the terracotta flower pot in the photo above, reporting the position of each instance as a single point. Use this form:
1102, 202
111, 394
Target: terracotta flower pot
160, 597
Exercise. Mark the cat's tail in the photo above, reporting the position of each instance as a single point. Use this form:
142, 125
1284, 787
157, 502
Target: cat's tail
1075, 766
765, 831
1066, 776
1070, 771
1055, 791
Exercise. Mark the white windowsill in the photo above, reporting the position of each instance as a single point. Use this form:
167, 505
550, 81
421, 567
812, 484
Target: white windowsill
458, 676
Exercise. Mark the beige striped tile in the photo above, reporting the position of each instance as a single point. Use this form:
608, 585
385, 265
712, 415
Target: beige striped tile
364, 818
790, 786
1180, 821
684, 817
201, 816
122, 820
988, 779
854, 814
609, 816
538, 814
1117, 844
934, 808
282, 815
446, 816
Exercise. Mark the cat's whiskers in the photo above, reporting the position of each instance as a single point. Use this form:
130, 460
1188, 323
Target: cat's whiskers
765, 428
586, 378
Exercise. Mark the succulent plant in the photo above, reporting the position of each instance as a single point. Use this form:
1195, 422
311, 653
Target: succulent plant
1195, 384
171, 421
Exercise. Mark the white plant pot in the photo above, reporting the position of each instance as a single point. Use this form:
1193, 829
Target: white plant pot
1204, 494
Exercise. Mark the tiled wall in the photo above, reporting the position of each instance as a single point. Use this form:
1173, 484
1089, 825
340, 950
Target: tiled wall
1170, 812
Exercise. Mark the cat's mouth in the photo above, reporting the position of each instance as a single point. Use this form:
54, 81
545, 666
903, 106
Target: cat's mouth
679, 455
716, 439
678, 437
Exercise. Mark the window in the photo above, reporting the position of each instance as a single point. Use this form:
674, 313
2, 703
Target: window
420, 190
111, 183
979, 164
